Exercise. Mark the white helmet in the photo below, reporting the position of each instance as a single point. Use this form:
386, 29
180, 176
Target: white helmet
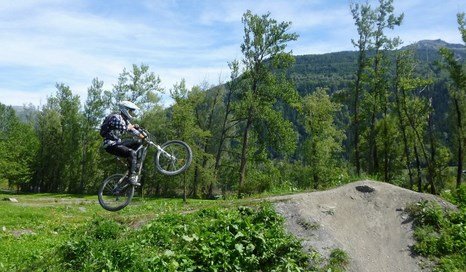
128, 109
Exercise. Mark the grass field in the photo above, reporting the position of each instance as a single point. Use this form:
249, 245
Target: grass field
38, 228
39, 222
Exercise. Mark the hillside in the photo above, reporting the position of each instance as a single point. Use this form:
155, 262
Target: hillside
336, 70
366, 219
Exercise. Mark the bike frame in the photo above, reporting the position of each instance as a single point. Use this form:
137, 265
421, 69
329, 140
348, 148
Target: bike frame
143, 149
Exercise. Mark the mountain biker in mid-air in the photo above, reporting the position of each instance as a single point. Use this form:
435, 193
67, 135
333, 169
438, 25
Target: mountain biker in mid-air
112, 128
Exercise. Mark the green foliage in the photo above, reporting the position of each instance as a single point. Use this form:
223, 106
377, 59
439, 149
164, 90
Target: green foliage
263, 51
59, 136
457, 90
139, 85
249, 128
47, 232
456, 196
462, 25
92, 171
18, 149
208, 240
338, 261
440, 234
323, 147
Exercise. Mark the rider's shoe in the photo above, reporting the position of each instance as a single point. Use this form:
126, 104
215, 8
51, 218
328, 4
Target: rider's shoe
133, 180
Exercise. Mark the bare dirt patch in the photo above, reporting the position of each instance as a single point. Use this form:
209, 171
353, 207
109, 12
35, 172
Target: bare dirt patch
366, 219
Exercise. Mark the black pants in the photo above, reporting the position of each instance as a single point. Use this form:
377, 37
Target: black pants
126, 149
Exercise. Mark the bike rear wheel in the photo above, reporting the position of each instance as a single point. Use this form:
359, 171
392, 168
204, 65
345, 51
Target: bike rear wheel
174, 158
115, 193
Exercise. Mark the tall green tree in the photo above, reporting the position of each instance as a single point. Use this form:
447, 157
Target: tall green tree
50, 162
59, 126
323, 146
376, 99
18, 149
69, 110
263, 49
364, 18
208, 109
457, 71
186, 128
92, 115
228, 127
410, 110
139, 85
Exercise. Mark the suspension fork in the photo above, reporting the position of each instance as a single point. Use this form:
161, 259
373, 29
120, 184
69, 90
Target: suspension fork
160, 149
141, 158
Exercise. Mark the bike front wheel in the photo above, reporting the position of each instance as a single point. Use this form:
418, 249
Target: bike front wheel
115, 193
173, 158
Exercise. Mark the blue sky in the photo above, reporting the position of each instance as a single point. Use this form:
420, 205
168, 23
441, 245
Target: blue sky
44, 42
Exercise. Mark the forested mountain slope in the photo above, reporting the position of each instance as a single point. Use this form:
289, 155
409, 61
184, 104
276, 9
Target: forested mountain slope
337, 70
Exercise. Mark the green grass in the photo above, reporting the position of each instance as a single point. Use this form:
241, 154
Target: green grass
40, 222
59, 232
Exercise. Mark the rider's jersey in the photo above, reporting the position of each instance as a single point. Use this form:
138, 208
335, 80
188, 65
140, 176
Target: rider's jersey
117, 126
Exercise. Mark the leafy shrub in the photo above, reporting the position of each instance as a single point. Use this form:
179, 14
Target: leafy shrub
457, 196
441, 234
245, 239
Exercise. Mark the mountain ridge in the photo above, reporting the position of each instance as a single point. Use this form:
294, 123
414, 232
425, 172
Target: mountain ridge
434, 44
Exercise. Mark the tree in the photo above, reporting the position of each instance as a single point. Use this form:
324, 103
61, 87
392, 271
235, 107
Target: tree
227, 121
378, 95
372, 24
60, 153
263, 49
139, 86
69, 110
18, 149
409, 108
186, 128
94, 112
50, 163
458, 96
207, 106
323, 145
364, 18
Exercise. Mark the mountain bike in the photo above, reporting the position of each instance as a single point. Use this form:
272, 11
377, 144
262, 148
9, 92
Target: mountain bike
172, 158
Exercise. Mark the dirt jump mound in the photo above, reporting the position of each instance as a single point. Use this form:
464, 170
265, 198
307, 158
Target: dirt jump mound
366, 219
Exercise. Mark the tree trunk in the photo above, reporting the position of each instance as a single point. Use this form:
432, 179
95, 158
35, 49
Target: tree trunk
418, 167
461, 139
244, 150
372, 156
386, 147
357, 154
431, 165
408, 158
184, 189
405, 139
196, 181
223, 133
83, 167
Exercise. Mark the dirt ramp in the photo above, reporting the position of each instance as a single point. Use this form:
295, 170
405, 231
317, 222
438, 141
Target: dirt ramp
366, 219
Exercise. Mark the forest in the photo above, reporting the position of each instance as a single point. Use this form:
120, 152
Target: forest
281, 123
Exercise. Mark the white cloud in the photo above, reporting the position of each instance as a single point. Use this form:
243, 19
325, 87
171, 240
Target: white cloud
48, 41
